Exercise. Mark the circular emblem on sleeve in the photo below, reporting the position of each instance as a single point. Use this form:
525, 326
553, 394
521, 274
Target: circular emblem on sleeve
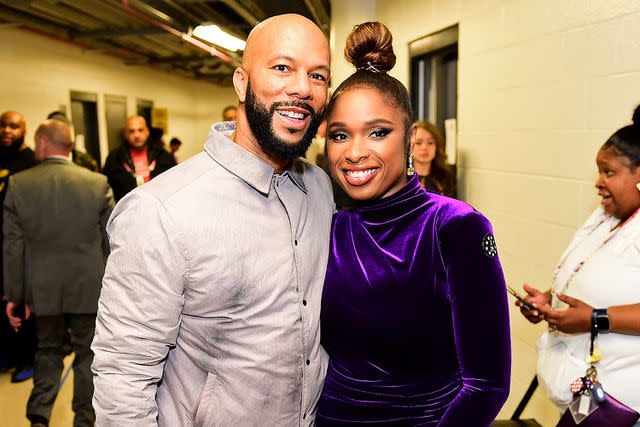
489, 246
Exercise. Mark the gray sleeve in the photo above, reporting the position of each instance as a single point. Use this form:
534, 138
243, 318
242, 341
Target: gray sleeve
13, 247
139, 311
109, 204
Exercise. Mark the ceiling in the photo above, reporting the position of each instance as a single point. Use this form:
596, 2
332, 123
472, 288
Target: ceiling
156, 33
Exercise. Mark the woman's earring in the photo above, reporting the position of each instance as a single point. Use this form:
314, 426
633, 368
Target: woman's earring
411, 170
638, 186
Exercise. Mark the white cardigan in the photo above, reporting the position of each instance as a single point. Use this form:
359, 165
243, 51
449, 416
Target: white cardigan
609, 276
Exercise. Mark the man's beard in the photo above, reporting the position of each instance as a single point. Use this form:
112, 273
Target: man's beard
261, 123
12, 149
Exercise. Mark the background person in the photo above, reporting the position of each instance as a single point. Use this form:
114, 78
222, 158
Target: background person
17, 348
600, 270
430, 160
78, 157
174, 146
54, 257
138, 159
229, 113
407, 273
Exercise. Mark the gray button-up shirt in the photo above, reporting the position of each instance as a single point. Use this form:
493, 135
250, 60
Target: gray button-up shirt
210, 305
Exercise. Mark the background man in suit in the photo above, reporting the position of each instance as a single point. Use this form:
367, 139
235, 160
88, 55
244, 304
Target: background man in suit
17, 349
54, 257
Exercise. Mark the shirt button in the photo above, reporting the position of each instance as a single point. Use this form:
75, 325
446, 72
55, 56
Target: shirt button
308, 362
304, 302
304, 416
295, 242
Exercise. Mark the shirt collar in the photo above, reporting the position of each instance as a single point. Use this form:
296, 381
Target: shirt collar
242, 163
59, 157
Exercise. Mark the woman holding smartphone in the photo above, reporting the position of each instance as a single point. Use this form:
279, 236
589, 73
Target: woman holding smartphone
596, 285
408, 271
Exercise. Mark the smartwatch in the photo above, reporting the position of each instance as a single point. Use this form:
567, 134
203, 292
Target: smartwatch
600, 320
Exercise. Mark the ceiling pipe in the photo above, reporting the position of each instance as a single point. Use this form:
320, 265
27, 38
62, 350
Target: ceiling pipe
184, 36
54, 32
319, 13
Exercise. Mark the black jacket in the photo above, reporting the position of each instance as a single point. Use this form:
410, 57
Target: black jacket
123, 181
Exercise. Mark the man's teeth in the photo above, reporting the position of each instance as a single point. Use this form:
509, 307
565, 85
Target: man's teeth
360, 174
291, 115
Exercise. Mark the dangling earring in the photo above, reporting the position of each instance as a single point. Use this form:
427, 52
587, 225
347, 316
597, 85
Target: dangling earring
638, 186
411, 170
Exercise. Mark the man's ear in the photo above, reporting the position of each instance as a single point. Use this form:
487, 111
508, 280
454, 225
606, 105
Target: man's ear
240, 80
40, 144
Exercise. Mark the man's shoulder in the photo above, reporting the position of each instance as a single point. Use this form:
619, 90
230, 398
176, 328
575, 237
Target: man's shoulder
181, 177
86, 174
45, 169
26, 174
115, 153
160, 151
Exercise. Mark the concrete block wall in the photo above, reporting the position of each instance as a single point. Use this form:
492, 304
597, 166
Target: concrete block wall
541, 85
37, 74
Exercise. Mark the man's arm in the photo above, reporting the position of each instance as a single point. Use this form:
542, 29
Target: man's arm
139, 311
13, 246
109, 204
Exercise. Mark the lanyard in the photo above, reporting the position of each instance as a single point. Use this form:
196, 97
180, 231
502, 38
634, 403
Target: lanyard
591, 255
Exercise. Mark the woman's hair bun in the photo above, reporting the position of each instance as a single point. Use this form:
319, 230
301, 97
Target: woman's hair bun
369, 47
636, 116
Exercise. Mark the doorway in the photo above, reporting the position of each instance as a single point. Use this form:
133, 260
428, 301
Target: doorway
84, 115
115, 107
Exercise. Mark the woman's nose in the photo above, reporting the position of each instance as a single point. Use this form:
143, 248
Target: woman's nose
356, 152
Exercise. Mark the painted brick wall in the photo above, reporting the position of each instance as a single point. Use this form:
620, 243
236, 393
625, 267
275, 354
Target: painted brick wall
37, 74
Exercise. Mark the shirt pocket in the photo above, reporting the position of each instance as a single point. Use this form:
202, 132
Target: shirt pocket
202, 416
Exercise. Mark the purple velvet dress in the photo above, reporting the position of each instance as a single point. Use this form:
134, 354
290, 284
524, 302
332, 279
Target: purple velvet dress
414, 315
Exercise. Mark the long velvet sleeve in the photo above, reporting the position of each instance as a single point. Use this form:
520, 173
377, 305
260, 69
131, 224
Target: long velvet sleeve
476, 288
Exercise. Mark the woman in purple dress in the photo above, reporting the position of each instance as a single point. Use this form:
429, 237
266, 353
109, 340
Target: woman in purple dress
414, 312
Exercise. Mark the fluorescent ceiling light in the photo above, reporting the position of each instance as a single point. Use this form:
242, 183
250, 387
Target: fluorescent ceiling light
213, 34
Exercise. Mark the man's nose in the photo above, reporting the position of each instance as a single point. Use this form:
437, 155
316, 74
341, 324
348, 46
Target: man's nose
300, 86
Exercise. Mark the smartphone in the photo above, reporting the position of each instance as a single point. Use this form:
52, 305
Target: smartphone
525, 304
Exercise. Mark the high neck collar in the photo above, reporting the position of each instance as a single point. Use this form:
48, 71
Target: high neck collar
403, 201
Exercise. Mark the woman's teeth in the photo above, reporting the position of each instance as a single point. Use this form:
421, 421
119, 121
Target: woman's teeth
361, 174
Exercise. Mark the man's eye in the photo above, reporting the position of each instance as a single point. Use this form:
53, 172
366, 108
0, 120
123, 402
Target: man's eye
281, 67
337, 136
318, 76
379, 133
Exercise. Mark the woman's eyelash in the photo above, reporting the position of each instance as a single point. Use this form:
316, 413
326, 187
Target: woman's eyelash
337, 136
380, 133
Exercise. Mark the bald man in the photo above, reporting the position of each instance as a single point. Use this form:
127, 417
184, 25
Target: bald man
54, 256
209, 313
138, 159
17, 349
